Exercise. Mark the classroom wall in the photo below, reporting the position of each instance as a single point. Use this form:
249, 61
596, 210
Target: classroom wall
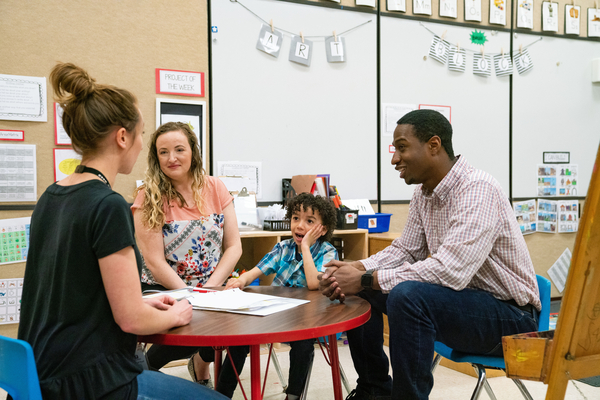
122, 42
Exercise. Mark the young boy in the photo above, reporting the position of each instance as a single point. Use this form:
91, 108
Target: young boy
296, 263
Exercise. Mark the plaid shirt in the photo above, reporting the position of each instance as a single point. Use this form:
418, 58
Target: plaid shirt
290, 272
468, 227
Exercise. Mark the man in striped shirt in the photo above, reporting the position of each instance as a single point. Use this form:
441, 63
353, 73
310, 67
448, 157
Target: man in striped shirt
460, 273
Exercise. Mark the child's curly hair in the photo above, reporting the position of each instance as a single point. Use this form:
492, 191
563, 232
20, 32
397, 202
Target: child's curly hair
319, 204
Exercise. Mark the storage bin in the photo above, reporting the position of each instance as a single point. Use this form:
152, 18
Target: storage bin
276, 225
375, 223
347, 219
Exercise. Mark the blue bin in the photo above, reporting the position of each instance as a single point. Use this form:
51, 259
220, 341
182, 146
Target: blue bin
375, 223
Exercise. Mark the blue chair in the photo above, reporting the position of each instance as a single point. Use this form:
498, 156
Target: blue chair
480, 363
18, 375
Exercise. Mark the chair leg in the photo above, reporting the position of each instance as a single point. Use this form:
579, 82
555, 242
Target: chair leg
523, 389
305, 390
436, 362
275, 360
481, 382
345, 380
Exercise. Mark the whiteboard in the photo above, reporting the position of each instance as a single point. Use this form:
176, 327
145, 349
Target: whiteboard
555, 108
479, 106
295, 119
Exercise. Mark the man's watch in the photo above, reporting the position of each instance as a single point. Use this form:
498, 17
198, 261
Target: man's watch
366, 280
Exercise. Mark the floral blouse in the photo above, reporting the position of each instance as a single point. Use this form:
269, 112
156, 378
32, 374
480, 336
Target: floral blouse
193, 242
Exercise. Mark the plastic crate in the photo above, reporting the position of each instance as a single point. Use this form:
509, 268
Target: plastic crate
276, 225
375, 223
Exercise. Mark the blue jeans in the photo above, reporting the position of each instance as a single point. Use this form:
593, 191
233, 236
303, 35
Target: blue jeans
154, 385
419, 314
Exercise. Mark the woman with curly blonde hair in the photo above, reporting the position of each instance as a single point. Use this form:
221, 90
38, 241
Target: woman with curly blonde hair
186, 229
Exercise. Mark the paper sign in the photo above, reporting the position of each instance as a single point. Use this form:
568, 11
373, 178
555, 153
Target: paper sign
20, 179
335, 50
549, 16
301, 51
525, 14
422, 7
396, 5
23, 98
8, 134
448, 8
498, 12
269, 41
593, 22
184, 83
572, 22
61, 138
473, 10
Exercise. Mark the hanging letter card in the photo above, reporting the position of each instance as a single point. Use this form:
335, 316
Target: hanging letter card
482, 65
457, 59
439, 50
448, 8
396, 5
549, 16
523, 61
269, 41
473, 10
498, 12
503, 65
422, 7
593, 22
525, 14
336, 51
301, 52
572, 14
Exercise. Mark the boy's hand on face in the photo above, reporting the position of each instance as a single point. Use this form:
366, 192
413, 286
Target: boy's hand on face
312, 236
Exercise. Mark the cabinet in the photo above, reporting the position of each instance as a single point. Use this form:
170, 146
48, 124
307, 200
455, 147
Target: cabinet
256, 244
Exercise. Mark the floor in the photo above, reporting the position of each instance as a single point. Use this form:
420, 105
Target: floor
449, 384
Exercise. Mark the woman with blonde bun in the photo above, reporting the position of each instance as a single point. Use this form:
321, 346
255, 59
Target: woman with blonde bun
82, 305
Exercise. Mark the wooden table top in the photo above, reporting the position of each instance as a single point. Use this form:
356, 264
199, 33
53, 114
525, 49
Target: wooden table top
320, 317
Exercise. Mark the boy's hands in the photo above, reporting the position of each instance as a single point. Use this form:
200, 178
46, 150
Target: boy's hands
311, 237
234, 283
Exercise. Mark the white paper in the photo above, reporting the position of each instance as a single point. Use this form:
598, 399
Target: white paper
62, 138
525, 14
559, 271
547, 216
180, 82
14, 240
557, 180
362, 205
248, 169
392, 113
396, 5
422, 7
473, 10
568, 216
549, 16
11, 291
23, 98
525, 212
370, 3
245, 211
498, 12
65, 162
448, 8
18, 176
572, 15
593, 22
236, 183
238, 301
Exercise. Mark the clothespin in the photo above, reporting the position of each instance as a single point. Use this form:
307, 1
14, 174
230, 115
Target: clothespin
457, 46
482, 51
596, 5
444, 35
334, 37
521, 48
302, 36
502, 51
272, 28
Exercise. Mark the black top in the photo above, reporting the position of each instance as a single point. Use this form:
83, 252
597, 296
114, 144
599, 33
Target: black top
79, 349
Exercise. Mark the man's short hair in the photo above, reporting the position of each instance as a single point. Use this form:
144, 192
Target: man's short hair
429, 123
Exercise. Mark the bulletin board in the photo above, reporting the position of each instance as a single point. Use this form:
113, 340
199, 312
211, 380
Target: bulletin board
479, 105
320, 119
557, 108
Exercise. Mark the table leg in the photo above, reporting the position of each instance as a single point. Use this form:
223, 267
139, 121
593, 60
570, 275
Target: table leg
255, 386
335, 367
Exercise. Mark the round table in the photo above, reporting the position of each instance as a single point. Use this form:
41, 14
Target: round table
319, 317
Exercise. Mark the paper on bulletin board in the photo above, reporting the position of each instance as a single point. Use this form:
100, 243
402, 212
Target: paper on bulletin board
559, 271
11, 291
525, 212
61, 138
396, 5
20, 160
23, 98
392, 112
14, 240
568, 216
249, 169
65, 162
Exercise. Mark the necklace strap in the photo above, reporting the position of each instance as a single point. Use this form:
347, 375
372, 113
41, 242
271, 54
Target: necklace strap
82, 169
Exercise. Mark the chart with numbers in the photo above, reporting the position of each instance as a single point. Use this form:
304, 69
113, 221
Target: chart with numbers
10, 300
18, 178
14, 240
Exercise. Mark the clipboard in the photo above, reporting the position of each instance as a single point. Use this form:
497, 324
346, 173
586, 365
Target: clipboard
245, 209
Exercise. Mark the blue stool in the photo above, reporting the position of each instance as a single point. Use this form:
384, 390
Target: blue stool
18, 375
480, 363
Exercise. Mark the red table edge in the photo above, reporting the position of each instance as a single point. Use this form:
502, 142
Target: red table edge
257, 338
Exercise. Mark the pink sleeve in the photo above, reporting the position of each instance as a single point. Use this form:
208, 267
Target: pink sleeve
139, 199
225, 197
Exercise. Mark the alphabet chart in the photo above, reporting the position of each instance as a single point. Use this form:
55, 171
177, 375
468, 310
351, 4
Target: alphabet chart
14, 240
10, 300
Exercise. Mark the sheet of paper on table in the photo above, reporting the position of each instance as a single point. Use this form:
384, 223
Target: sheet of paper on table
240, 302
